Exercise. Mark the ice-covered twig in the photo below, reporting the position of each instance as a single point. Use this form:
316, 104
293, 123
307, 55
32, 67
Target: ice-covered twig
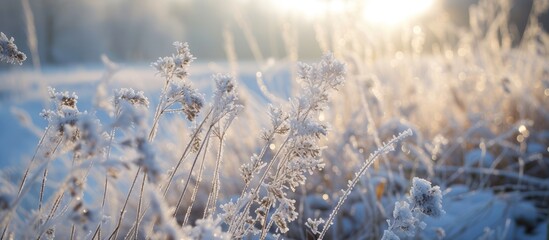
387, 147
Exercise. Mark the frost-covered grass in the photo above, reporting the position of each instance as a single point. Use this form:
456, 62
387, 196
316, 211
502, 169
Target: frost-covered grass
179, 151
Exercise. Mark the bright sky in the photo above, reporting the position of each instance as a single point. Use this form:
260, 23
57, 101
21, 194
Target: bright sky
386, 12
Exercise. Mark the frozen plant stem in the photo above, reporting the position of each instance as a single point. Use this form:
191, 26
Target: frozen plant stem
260, 157
197, 184
191, 172
44, 178
181, 160
212, 198
139, 205
106, 184
138, 213
32, 160
265, 227
98, 229
114, 235
159, 110
184, 154
388, 147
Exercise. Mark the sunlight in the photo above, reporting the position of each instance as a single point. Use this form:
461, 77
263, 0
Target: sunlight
311, 8
385, 12
390, 12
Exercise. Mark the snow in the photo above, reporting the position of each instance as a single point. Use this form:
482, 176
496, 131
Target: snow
469, 213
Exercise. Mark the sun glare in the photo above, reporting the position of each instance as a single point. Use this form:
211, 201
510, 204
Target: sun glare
392, 12
386, 12
311, 8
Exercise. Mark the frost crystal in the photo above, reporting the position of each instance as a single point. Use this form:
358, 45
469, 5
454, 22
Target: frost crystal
426, 199
225, 99
314, 224
190, 100
9, 52
176, 65
91, 140
130, 106
404, 221
63, 115
131, 96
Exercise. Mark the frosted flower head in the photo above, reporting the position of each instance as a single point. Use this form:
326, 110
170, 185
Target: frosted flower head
426, 199
248, 170
182, 60
224, 84
331, 70
59, 120
318, 79
91, 140
63, 115
165, 66
9, 52
63, 99
131, 96
404, 220
306, 149
131, 107
184, 51
225, 99
278, 120
190, 100
309, 128
328, 72
177, 65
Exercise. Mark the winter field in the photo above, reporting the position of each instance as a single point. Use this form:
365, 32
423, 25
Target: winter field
423, 130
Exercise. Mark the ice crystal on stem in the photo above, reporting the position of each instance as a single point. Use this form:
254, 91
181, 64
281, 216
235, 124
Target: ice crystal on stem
387, 147
313, 225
